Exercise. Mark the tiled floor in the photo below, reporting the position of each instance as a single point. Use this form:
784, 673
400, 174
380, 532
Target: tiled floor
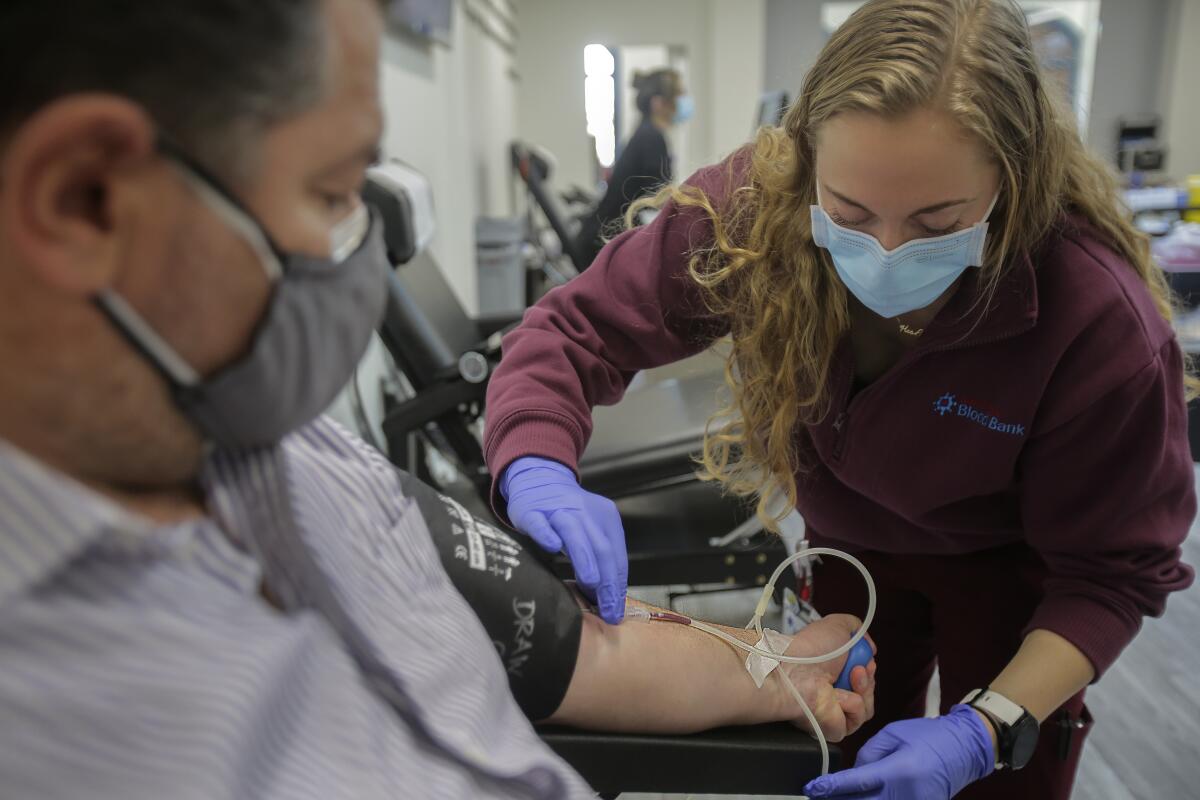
1146, 743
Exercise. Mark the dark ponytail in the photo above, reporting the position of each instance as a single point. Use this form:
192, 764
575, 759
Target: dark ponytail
659, 83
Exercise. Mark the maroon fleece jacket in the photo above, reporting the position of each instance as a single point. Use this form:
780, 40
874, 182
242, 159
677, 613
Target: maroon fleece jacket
1056, 418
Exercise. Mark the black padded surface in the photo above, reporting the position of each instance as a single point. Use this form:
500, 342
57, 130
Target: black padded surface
651, 437
424, 280
681, 514
535, 173
661, 414
775, 759
667, 532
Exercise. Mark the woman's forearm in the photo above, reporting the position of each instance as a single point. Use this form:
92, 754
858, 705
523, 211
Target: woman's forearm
1046, 672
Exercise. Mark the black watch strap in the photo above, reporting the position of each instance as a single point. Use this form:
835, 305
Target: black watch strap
1016, 728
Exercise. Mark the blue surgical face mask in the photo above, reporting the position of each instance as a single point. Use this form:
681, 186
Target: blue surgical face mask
895, 282
685, 107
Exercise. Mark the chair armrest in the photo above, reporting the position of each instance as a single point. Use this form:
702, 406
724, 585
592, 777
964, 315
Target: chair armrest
776, 759
429, 406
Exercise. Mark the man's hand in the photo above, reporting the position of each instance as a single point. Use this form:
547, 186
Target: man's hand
838, 712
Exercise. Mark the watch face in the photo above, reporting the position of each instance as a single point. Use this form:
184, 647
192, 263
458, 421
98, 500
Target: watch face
1024, 741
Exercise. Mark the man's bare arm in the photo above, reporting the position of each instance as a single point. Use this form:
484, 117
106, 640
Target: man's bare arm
661, 677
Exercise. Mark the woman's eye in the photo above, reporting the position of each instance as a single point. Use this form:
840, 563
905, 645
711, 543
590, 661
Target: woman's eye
840, 220
941, 231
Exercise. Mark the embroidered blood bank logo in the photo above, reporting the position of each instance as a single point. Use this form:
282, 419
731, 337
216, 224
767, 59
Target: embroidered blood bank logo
952, 405
944, 404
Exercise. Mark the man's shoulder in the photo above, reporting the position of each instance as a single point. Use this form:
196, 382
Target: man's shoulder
332, 475
326, 437
325, 446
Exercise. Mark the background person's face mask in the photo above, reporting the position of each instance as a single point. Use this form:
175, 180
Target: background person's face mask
316, 327
685, 108
913, 276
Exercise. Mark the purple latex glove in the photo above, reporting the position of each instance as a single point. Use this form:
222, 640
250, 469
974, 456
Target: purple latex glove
546, 502
917, 759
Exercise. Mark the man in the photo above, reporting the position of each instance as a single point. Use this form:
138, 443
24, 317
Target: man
203, 593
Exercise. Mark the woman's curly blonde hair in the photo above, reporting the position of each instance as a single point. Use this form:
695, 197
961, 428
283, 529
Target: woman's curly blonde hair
786, 307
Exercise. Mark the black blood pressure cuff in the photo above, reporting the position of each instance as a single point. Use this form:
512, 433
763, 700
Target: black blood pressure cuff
532, 618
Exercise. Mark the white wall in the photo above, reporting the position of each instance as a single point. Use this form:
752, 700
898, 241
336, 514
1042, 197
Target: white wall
1182, 97
451, 113
1129, 64
717, 34
794, 37
737, 40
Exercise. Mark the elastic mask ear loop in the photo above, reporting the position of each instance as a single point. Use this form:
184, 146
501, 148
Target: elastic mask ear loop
987, 215
980, 233
146, 340
218, 200
237, 220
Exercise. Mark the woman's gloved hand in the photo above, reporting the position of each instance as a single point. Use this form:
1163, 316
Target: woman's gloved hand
546, 502
917, 759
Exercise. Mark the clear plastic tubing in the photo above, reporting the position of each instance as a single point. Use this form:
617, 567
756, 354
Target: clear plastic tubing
756, 622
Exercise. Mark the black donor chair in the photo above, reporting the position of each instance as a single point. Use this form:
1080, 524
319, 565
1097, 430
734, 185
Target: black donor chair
533, 165
446, 357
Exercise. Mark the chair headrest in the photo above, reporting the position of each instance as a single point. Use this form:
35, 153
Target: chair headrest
533, 160
403, 198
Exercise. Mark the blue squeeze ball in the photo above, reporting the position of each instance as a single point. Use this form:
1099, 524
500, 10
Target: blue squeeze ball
860, 656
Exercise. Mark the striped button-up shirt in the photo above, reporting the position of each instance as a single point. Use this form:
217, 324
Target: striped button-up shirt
140, 661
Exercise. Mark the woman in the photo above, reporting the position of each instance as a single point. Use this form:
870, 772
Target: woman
949, 350
645, 163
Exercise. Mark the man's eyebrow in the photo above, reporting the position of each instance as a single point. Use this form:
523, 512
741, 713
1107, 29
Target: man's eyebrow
927, 210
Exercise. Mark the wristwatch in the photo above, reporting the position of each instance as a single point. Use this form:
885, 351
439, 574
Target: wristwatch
1016, 728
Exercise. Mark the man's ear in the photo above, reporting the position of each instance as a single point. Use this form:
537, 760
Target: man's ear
60, 181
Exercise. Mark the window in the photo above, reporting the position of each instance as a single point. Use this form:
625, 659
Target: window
599, 96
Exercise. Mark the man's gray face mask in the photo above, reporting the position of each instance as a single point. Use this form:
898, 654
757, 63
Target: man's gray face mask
317, 325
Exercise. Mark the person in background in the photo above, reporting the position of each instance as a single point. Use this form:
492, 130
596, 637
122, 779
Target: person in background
948, 349
644, 165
